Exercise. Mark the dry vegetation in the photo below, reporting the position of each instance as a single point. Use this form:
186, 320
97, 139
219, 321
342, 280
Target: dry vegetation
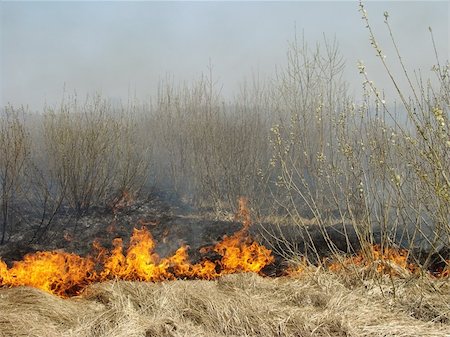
315, 304
297, 146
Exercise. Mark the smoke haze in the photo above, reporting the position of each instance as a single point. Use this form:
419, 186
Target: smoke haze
123, 49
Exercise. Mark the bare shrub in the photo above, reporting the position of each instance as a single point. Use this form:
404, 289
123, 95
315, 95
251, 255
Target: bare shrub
312, 175
133, 150
420, 184
383, 171
206, 149
92, 152
14, 153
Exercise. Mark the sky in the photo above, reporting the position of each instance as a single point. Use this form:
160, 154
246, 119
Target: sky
122, 49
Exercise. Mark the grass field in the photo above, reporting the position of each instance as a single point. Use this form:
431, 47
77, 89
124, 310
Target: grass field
320, 173
317, 303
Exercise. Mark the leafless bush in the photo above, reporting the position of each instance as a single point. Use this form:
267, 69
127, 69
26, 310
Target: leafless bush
14, 152
92, 152
420, 182
206, 149
383, 171
133, 150
313, 177
297, 146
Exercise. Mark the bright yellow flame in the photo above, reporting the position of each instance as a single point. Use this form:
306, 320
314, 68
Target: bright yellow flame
67, 274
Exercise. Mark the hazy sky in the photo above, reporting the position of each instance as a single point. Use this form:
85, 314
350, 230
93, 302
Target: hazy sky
123, 48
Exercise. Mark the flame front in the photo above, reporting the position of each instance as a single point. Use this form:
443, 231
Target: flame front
382, 260
140, 262
387, 260
67, 274
56, 272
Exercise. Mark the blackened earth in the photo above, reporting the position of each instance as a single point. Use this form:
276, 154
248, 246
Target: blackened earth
173, 223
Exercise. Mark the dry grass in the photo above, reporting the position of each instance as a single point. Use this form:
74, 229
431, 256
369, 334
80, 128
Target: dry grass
315, 304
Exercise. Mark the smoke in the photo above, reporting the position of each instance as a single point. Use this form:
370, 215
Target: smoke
123, 49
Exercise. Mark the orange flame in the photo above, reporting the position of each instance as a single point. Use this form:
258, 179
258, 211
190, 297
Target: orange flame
67, 274
238, 252
55, 272
383, 260
445, 272
388, 260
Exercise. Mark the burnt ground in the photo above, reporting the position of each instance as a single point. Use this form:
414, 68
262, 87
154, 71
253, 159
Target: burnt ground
172, 224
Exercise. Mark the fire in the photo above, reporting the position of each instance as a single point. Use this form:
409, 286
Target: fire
55, 272
383, 260
66, 274
387, 260
444, 272
140, 262
238, 251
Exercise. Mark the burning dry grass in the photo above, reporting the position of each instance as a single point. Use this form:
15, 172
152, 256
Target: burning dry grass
314, 304
377, 293
67, 274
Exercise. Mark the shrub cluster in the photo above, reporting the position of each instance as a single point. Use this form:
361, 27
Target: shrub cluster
297, 145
